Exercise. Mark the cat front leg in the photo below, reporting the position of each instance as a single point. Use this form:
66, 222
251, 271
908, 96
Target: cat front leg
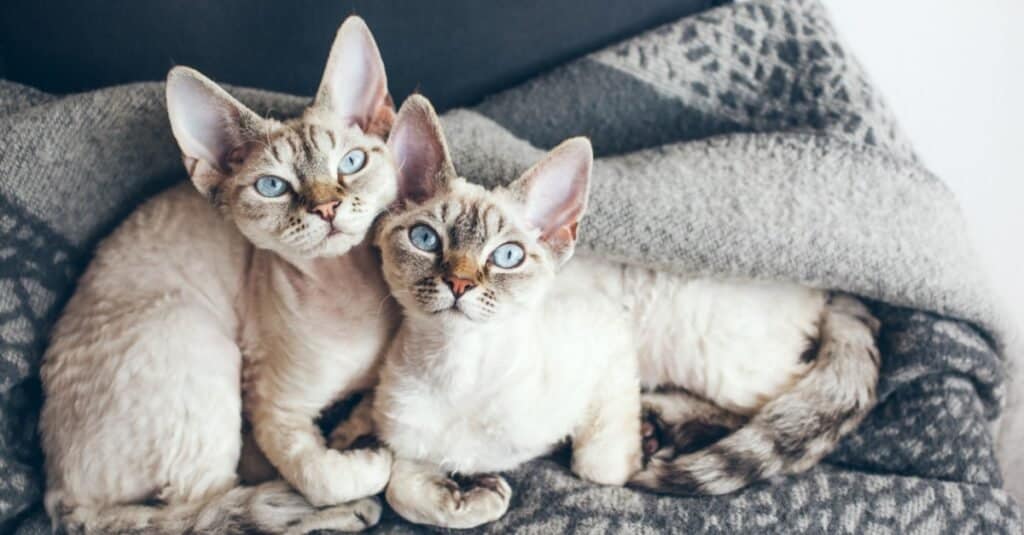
605, 448
420, 492
295, 446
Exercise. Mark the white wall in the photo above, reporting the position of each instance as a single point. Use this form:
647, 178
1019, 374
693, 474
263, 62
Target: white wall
953, 72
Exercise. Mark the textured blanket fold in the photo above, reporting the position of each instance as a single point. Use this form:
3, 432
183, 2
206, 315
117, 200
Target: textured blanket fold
743, 142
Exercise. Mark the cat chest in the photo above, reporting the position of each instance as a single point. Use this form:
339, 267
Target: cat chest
737, 344
473, 435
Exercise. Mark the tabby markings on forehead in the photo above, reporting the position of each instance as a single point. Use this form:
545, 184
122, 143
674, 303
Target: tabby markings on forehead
309, 145
465, 230
287, 136
442, 211
493, 220
302, 144
470, 223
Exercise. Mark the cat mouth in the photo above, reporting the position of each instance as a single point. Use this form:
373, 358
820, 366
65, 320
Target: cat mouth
457, 311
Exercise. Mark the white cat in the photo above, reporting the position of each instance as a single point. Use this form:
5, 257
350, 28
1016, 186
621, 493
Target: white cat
494, 363
492, 359
143, 415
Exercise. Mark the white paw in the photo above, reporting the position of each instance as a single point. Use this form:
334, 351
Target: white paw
479, 500
341, 477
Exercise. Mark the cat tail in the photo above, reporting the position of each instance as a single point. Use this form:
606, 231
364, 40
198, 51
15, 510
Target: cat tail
268, 508
793, 432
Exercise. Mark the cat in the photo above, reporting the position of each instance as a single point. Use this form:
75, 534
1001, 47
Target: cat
483, 376
142, 420
744, 380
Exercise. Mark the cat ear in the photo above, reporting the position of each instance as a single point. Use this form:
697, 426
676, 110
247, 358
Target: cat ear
554, 192
420, 152
354, 86
212, 128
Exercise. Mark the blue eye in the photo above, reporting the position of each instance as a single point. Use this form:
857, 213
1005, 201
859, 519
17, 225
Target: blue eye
352, 162
271, 186
508, 255
424, 238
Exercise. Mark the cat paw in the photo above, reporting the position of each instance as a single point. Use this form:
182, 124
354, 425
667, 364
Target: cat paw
476, 500
652, 435
337, 477
484, 482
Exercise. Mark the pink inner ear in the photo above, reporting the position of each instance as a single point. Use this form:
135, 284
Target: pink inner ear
415, 164
557, 190
419, 151
561, 236
355, 85
205, 122
383, 119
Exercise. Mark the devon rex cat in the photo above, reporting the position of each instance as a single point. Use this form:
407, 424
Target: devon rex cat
508, 346
142, 424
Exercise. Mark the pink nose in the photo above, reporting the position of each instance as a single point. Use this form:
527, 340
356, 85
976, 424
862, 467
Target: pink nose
325, 210
459, 286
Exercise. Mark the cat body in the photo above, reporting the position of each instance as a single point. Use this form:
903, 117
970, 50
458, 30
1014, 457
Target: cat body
778, 371
478, 400
245, 281
493, 364
117, 368
790, 369
785, 411
736, 343
312, 340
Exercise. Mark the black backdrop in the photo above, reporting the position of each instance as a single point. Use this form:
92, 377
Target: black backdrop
455, 51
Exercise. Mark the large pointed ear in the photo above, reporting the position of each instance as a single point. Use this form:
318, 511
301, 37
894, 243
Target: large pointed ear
420, 152
354, 86
212, 128
554, 193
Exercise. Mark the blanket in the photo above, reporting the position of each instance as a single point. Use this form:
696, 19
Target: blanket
742, 142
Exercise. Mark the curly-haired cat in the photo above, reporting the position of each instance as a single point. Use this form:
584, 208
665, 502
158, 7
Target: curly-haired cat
494, 363
790, 368
142, 421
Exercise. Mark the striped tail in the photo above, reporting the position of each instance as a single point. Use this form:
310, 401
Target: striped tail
268, 508
793, 432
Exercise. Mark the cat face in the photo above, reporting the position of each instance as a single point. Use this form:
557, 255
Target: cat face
305, 188
455, 251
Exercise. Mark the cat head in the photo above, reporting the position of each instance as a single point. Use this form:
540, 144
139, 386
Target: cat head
453, 250
308, 187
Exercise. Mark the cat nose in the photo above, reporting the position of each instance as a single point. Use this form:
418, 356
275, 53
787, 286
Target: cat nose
325, 210
458, 285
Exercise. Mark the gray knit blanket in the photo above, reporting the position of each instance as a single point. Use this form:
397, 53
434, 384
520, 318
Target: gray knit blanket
743, 142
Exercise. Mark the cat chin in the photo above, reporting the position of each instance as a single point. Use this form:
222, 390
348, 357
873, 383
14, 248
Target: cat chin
458, 316
335, 245
330, 247
339, 242
448, 316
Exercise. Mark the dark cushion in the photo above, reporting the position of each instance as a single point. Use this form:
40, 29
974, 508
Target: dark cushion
455, 51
